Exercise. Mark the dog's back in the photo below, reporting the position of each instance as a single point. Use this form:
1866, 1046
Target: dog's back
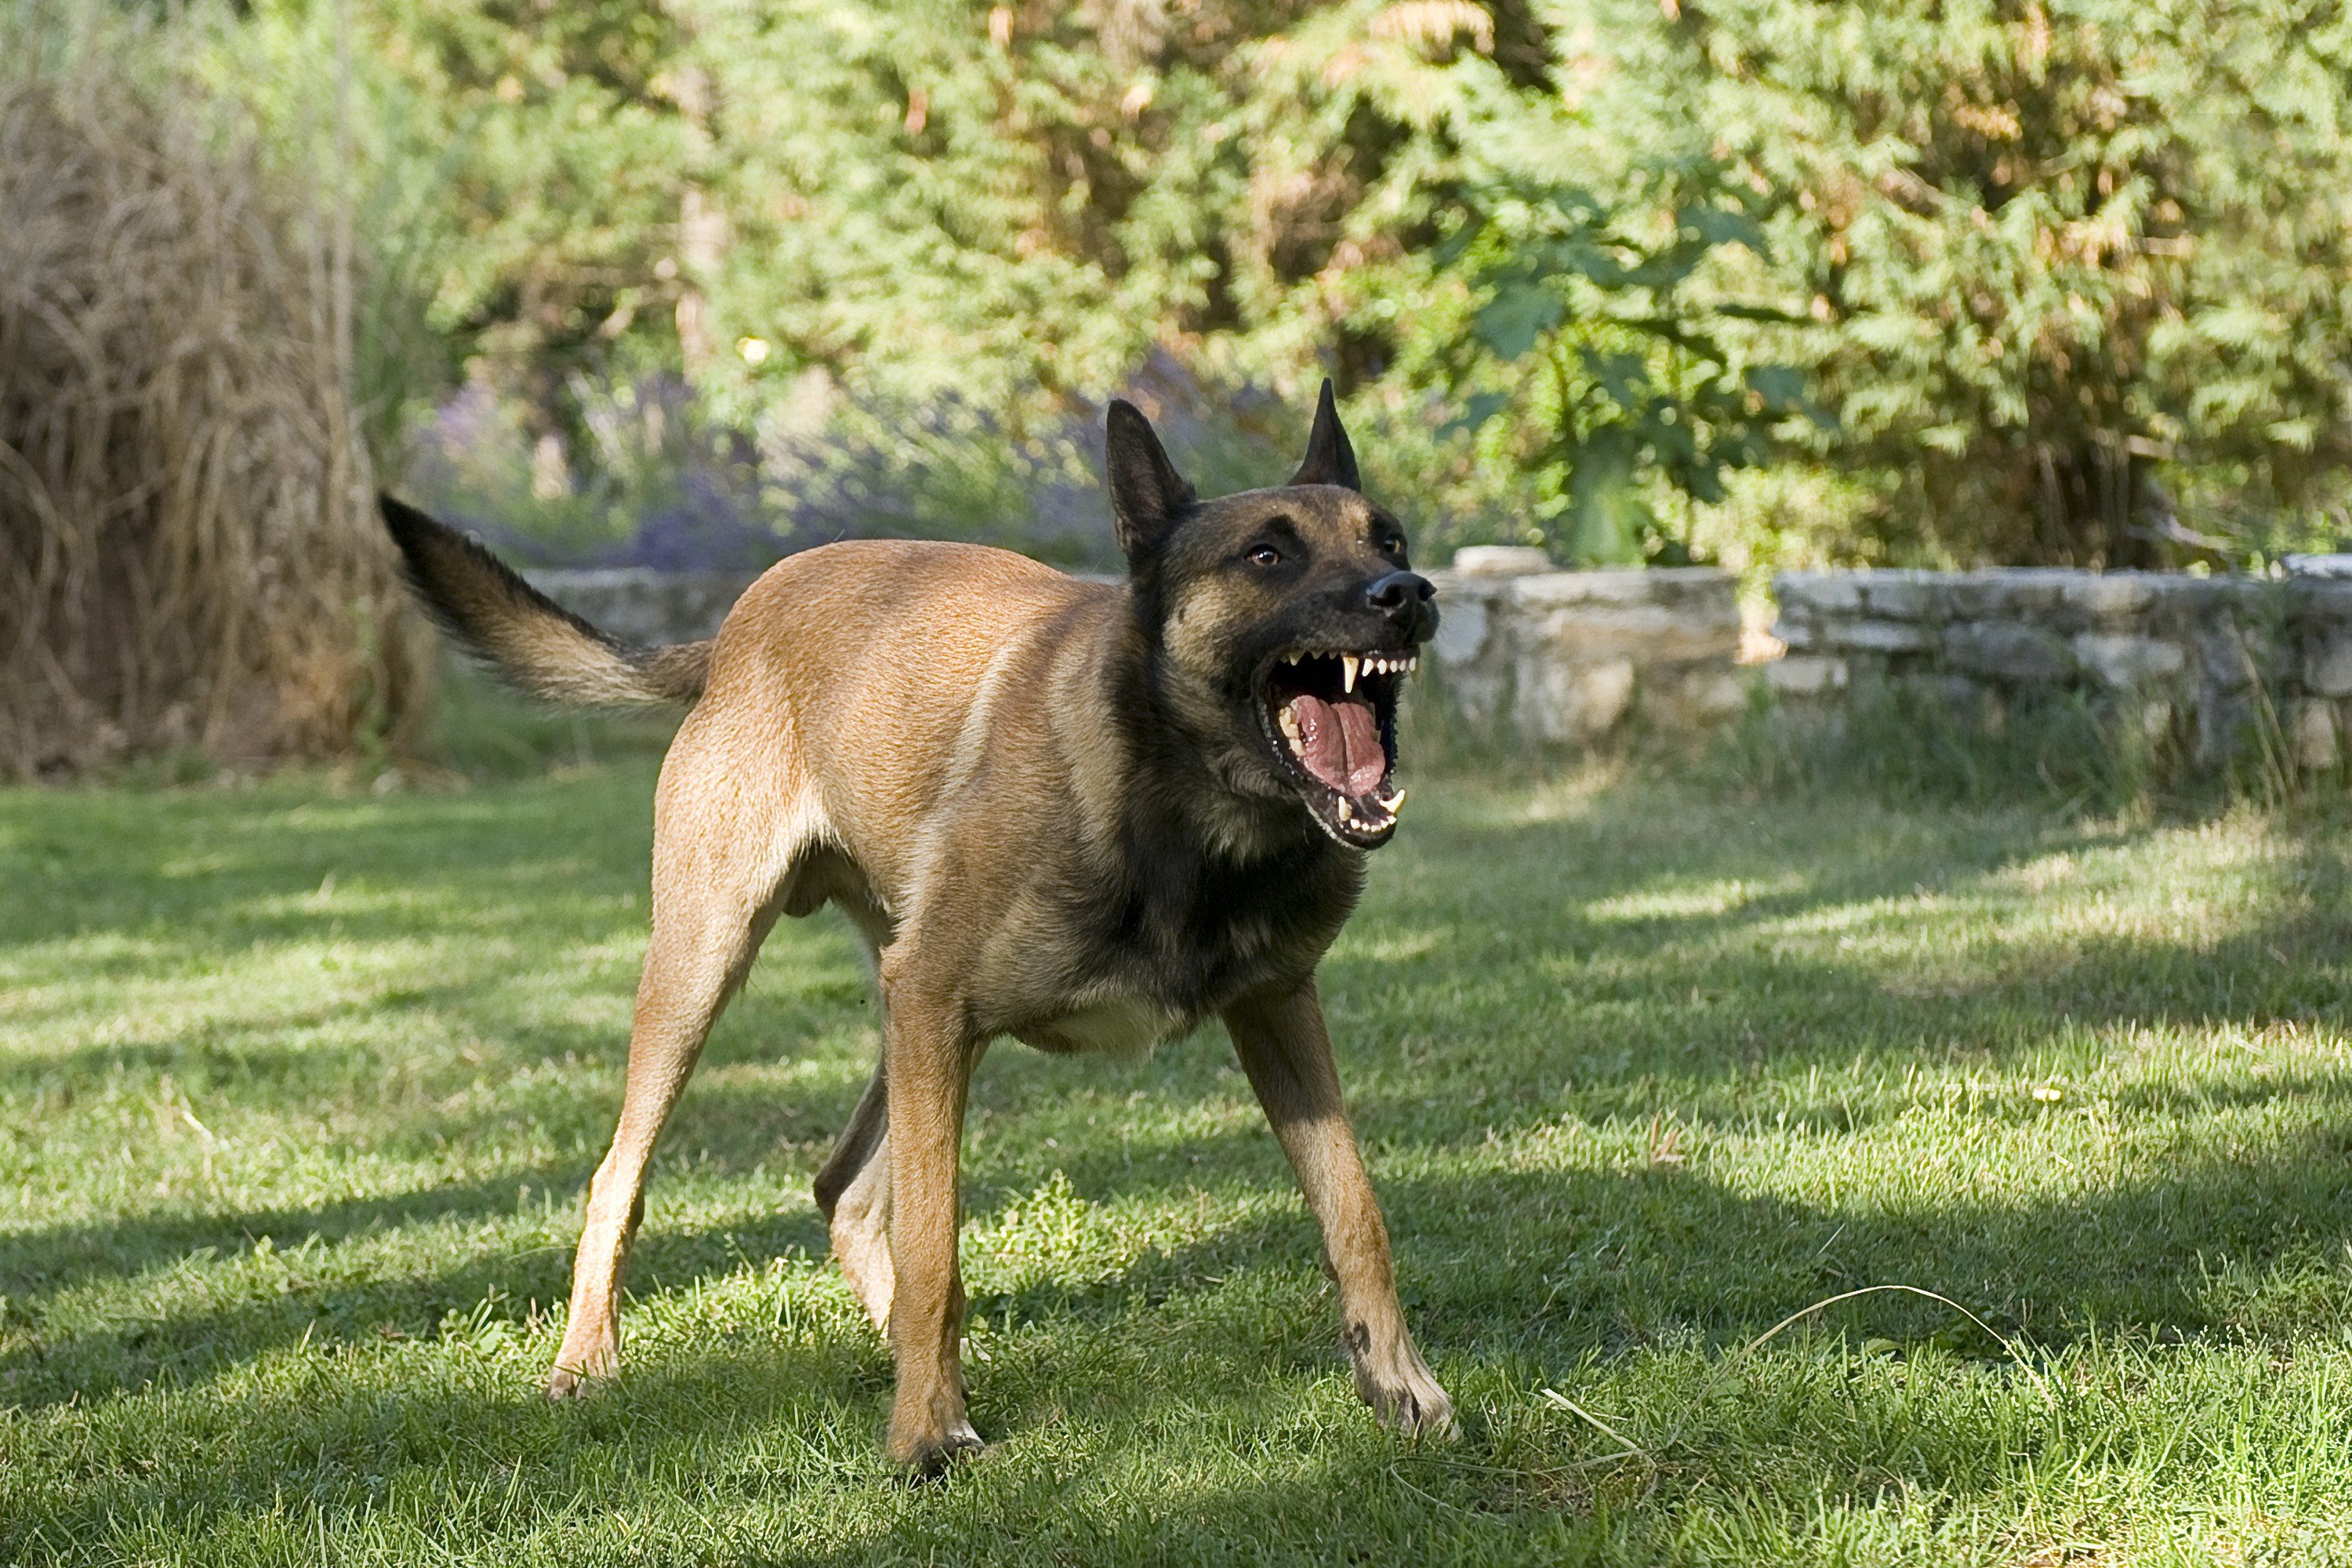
847, 691
888, 655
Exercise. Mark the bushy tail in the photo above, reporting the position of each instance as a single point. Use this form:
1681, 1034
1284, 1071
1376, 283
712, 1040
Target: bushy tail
530, 639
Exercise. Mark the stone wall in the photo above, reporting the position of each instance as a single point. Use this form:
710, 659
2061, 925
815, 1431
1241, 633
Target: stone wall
2210, 655
1526, 652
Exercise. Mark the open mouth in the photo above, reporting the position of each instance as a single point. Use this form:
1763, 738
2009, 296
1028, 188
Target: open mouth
1331, 720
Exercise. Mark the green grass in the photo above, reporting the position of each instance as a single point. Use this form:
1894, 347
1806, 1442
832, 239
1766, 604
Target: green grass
299, 1086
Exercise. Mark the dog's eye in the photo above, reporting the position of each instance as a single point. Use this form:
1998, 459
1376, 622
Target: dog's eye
1393, 543
1263, 555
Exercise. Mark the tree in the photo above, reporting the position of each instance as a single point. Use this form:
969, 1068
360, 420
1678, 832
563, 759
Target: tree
2066, 278
2063, 260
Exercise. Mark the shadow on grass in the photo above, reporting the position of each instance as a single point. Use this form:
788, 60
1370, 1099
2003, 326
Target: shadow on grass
1547, 1268
1556, 1265
1653, 1259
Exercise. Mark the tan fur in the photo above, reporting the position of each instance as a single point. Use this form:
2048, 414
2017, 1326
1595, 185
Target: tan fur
539, 648
928, 735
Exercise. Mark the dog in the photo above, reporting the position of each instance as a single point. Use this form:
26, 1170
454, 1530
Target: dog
1083, 816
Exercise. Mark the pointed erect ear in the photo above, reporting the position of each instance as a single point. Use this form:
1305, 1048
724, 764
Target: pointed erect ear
1148, 496
1330, 459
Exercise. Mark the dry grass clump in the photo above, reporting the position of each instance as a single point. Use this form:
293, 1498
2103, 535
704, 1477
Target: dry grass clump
188, 554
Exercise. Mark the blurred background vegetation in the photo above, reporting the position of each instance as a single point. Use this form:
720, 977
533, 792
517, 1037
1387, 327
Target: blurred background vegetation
1767, 282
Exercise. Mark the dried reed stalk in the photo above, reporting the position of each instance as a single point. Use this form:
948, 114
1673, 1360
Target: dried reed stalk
188, 552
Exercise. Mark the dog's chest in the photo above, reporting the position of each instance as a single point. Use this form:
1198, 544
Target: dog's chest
1126, 1026
1184, 937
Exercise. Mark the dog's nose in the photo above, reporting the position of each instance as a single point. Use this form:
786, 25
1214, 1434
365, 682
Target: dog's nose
1399, 590
1407, 598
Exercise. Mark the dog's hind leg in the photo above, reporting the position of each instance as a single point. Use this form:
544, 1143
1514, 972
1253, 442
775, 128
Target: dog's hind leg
696, 957
715, 896
852, 1191
1287, 1052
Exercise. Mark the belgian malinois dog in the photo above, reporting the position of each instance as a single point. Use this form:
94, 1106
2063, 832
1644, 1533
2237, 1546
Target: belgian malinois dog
1086, 816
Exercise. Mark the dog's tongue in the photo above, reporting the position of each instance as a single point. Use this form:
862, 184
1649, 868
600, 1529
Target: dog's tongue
1343, 745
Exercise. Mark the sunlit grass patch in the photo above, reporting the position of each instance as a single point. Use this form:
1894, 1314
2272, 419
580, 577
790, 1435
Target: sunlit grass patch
299, 1090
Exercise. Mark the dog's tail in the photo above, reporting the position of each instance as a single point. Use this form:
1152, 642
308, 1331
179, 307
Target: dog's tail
526, 637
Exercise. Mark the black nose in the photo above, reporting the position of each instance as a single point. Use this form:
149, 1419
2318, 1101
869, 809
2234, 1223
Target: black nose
1409, 599
1399, 590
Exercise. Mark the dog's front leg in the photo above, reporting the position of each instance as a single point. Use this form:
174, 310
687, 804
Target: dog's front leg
1279, 1036
929, 1054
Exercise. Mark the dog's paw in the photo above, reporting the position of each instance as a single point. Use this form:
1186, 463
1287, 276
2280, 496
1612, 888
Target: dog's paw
928, 1456
1405, 1396
1426, 1411
571, 1379
566, 1382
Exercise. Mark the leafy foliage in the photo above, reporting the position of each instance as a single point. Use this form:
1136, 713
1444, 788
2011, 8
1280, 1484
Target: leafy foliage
2064, 279
2054, 253
1598, 325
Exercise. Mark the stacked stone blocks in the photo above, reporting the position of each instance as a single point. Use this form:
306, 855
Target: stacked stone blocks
1526, 652
2213, 655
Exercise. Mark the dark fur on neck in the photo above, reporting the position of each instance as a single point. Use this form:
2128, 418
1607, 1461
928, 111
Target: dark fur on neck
1191, 918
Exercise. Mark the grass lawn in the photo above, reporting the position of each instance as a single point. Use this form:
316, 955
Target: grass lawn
300, 1088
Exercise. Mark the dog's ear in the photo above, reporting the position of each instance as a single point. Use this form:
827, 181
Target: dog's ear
1331, 460
1148, 496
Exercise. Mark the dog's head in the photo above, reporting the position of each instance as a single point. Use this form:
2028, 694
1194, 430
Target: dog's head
1286, 621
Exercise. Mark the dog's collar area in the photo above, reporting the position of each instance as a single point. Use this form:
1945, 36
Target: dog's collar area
1330, 718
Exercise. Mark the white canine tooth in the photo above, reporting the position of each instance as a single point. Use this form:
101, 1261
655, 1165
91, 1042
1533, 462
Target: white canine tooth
1348, 671
1345, 814
1393, 804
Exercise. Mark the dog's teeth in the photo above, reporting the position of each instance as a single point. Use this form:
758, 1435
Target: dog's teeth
1393, 804
1288, 718
1348, 671
1346, 815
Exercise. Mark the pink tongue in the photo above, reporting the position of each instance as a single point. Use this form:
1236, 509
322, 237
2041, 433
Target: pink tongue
1342, 743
